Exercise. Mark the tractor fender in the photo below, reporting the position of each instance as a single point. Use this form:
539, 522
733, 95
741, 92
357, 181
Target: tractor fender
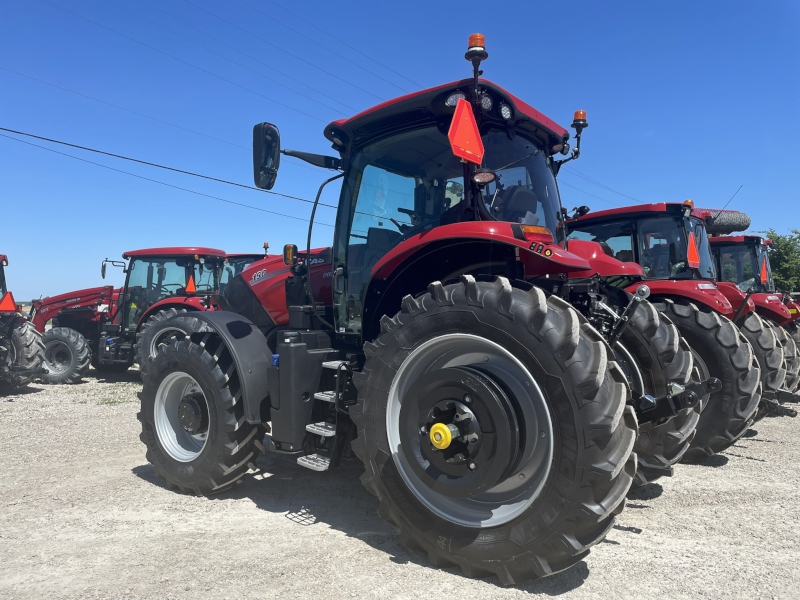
445, 253
601, 263
189, 303
770, 306
701, 292
250, 353
736, 296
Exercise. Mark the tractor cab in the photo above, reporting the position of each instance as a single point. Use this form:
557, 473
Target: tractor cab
668, 240
743, 261
234, 264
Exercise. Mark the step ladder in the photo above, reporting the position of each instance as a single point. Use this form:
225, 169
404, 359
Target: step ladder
321, 462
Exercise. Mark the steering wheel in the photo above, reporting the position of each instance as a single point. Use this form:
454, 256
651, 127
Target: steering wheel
166, 285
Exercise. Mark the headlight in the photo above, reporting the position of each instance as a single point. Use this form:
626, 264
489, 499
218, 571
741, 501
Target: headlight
453, 98
506, 112
707, 286
486, 102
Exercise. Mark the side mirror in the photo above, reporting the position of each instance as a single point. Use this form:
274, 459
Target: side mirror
290, 254
103, 270
266, 155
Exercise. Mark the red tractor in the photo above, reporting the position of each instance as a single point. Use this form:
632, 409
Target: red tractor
111, 328
434, 341
21, 348
743, 260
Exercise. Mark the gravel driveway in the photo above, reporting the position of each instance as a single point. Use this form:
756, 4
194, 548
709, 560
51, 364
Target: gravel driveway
83, 516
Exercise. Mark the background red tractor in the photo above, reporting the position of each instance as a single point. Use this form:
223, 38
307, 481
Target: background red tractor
21, 348
111, 328
670, 242
743, 260
423, 341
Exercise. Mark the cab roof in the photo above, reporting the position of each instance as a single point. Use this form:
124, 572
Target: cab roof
639, 209
739, 239
3, 258
175, 251
427, 107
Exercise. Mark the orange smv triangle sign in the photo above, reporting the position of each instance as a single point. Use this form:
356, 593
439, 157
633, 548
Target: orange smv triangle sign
190, 287
692, 255
7, 303
465, 139
764, 275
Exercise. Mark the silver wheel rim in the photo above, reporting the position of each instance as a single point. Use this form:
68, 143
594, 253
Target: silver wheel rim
162, 338
57, 357
512, 496
174, 439
700, 372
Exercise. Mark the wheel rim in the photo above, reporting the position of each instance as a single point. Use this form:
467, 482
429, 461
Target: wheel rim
171, 399
527, 470
700, 373
57, 356
164, 337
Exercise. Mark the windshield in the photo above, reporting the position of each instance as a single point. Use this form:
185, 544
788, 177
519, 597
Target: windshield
154, 278
233, 266
738, 263
660, 244
411, 182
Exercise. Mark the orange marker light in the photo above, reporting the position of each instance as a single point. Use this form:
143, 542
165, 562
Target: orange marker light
190, 287
477, 40
580, 115
689, 203
7, 303
764, 271
692, 255
536, 233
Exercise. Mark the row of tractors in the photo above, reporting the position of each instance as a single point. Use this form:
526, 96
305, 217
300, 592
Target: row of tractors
505, 369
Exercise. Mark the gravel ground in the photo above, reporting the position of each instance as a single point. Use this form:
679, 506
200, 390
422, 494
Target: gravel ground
83, 516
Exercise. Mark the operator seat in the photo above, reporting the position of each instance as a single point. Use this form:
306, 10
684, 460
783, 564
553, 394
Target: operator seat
625, 256
519, 205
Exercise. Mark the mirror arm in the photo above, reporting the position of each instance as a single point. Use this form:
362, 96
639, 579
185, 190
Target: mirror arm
318, 160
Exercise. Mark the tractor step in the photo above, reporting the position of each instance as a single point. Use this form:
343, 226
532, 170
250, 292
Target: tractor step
329, 396
322, 428
334, 364
315, 462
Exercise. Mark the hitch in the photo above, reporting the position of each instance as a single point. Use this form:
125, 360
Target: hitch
621, 321
772, 408
680, 397
782, 396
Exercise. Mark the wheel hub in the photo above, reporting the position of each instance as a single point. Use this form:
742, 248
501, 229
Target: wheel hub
192, 414
468, 433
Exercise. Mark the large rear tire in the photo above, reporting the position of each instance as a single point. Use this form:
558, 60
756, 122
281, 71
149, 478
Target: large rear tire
66, 355
768, 351
192, 417
661, 356
525, 519
720, 350
26, 352
159, 330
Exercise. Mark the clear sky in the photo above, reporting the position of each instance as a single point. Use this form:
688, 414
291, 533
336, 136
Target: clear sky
684, 100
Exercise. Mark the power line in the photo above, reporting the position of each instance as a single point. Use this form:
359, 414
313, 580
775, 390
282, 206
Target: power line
575, 171
284, 50
152, 164
331, 50
207, 49
250, 56
297, 110
587, 193
161, 182
211, 137
339, 40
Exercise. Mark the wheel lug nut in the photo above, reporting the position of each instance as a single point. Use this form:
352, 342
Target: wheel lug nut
468, 399
423, 430
472, 466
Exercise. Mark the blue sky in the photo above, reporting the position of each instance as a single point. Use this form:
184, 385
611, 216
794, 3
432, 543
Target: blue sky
684, 100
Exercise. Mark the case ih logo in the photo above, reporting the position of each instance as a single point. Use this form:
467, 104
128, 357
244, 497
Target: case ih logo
258, 276
317, 261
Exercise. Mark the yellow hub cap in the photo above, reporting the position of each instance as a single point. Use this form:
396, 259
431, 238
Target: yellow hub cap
441, 436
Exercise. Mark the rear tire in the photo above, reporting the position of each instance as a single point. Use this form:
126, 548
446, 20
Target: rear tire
535, 534
206, 462
722, 351
66, 356
662, 356
28, 353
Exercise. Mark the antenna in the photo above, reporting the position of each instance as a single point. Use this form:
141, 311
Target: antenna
729, 201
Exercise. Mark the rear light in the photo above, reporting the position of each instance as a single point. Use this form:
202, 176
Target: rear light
486, 102
537, 233
506, 112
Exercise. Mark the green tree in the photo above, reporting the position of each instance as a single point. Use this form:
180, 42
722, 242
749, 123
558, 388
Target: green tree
784, 258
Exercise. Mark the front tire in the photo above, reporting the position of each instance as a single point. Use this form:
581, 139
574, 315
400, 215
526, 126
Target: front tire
720, 350
542, 514
66, 356
192, 417
789, 337
159, 330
